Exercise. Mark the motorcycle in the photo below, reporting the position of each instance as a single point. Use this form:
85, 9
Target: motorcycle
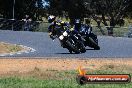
89, 38
70, 41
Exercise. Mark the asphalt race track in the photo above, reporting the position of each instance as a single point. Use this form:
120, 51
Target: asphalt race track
111, 47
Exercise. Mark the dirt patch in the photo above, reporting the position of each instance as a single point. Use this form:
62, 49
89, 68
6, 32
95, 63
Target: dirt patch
28, 65
9, 48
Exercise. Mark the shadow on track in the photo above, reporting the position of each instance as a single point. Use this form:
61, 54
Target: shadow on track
74, 53
90, 49
66, 53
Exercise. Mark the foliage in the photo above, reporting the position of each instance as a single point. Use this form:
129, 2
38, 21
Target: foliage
21, 7
108, 12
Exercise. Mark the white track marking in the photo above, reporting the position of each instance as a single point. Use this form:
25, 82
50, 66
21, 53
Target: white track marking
26, 50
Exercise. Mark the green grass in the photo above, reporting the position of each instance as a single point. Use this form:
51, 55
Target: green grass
36, 83
43, 27
118, 32
65, 79
14, 48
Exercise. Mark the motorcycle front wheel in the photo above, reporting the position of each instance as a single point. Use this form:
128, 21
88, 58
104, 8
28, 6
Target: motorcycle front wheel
81, 46
72, 47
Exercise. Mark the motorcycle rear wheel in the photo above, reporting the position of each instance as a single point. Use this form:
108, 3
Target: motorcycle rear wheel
94, 44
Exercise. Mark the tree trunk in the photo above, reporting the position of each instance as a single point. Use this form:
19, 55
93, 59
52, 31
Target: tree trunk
110, 31
98, 24
112, 25
101, 30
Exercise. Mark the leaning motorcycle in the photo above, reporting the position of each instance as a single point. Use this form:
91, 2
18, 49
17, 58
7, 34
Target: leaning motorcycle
70, 41
89, 38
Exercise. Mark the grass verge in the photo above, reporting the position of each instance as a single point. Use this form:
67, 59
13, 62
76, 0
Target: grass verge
61, 82
51, 78
9, 48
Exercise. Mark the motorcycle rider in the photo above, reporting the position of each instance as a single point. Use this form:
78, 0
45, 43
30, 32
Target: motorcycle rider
88, 29
84, 29
55, 26
77, 25
76, 28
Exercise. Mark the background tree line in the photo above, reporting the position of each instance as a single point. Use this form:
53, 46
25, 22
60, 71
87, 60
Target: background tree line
108, 12
34, 8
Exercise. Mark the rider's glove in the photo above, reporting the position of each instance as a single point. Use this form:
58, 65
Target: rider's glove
51, 36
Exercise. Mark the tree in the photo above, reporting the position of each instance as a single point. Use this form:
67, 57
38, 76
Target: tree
74, 8
6, 8
21, 7
109, 12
